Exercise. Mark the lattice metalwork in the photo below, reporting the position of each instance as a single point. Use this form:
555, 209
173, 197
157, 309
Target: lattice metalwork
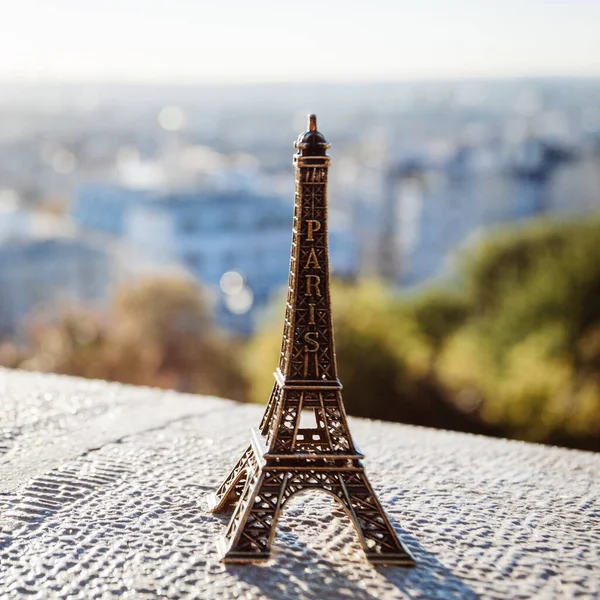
285, 456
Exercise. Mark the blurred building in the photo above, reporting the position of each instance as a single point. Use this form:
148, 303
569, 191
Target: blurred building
45, 266
432, 167
236, 242
432, 209
43, 276
103, 208
212, 234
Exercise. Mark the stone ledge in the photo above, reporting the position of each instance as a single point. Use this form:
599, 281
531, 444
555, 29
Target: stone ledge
101, 490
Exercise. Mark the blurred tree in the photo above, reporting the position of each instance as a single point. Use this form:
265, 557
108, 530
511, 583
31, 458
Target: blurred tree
159, 333
75, 344
437, 313
545, 276
532, 347
383, 361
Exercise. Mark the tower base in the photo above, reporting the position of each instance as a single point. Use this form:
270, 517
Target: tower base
260, 485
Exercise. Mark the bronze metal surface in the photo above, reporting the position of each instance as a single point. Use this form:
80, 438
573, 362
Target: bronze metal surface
285, 458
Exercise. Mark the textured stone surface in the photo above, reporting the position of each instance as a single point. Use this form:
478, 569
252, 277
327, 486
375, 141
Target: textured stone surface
102, 486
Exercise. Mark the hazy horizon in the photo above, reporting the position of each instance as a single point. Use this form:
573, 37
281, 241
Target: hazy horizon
183, 42
409, 80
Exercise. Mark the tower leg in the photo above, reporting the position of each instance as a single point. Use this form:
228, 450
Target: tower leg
231, 489
377, 536
251, 531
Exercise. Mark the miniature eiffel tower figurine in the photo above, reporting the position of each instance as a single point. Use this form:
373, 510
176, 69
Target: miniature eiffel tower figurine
284, 457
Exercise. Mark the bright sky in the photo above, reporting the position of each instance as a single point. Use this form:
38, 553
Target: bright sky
291, 40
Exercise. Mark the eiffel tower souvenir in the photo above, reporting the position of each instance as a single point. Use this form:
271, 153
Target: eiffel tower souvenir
285, 458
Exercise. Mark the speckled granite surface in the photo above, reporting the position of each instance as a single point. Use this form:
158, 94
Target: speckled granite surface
102, 486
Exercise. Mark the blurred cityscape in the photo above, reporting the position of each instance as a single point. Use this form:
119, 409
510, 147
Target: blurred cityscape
103, 184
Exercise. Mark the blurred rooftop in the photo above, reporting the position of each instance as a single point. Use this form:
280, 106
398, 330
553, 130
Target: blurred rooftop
102, 486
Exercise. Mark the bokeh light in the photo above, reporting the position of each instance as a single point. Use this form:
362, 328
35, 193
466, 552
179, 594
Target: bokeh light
171, 118
232, 283
241, 302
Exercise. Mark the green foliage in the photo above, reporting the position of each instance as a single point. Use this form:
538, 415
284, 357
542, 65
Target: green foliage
535, 323
370, 345
539, 278
437, 314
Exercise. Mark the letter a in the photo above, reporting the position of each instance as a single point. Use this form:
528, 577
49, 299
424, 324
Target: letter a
312, 262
